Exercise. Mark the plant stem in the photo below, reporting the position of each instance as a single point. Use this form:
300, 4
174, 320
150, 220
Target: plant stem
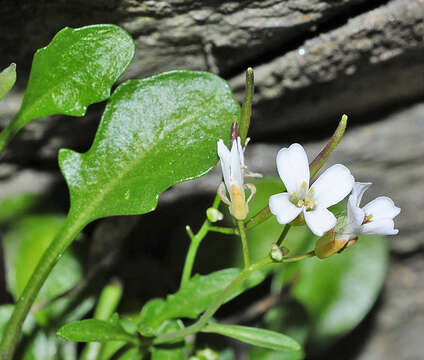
195, 241
259, 218
192, 251
323, 156
243, 237
11, 129
283, 234
72, 227
199, 324
246, 109
299, 257
223, 230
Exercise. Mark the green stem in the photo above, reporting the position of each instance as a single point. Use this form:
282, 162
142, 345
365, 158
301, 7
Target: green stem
246, 109
195, 241
223, 230
283, 234
8, 133
243, 237
323, 156
207, 315
259, 218
72, 227
192, 251
299, 257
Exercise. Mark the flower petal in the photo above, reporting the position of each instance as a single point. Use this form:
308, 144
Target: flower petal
240, 150
293, 167
320, 220
236, 174
381, 208
281, 206
333, 185
355, 214
358, 191
224, 156
380, 227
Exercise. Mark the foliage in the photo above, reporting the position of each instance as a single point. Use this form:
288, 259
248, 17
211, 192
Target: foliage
155, 133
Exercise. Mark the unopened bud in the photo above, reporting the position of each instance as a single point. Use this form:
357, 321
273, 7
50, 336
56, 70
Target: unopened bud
330, 244
214, 215
277, 253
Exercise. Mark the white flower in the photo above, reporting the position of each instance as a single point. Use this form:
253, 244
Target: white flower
375, 218
329, 189
233, 169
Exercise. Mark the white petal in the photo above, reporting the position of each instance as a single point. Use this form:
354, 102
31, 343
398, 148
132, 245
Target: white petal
333, 185
358, 191
293, 167
236, 176
355, 214
320, 220
240, 150
380, 227
381, 208
224, 155
283, 208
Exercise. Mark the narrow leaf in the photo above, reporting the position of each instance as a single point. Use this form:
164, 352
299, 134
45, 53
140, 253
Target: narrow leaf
7, 80
76, 69
192, 299
94, 330
259, 337
154, 133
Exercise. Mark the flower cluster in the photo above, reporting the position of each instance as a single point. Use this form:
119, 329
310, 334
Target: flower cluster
304, 203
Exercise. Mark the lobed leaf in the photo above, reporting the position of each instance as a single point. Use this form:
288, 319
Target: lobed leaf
254, 336
154, 133
76, 69
192, 299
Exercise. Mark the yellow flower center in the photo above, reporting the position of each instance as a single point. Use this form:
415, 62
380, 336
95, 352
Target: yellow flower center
304, 198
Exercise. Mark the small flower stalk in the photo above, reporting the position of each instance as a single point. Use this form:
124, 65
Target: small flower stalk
304, 201
375, 218
234, 171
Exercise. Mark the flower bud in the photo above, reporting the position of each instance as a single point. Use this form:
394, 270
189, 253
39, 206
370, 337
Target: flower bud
214, 215
331, 243
277, 253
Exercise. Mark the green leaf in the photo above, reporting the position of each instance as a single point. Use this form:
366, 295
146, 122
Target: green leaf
172, 351
76, 69
254, 336
7, 80
24, 244
154, 133
94, 330
337, 292
291, 318
131, 354
192, 299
